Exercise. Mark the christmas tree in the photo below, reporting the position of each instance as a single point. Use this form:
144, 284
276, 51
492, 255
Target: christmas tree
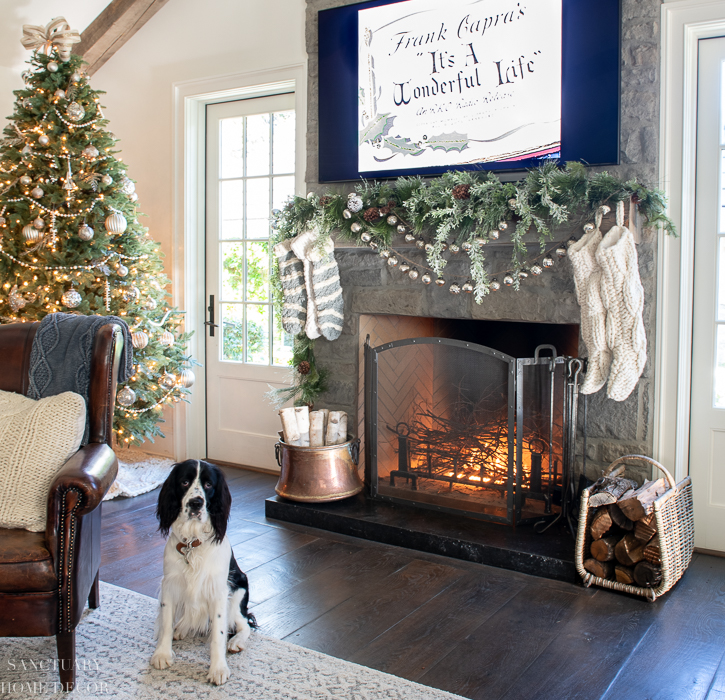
70, 238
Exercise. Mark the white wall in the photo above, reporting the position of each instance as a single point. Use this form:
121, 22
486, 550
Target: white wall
186, 40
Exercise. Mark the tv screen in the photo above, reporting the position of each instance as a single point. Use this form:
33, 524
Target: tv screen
423, 86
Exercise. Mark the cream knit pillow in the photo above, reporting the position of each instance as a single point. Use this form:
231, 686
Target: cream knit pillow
36, 439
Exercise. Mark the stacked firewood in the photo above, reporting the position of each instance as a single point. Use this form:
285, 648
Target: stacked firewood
306, 428
625, 546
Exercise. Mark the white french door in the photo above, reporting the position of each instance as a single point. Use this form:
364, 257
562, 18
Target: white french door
707, 414
250, 170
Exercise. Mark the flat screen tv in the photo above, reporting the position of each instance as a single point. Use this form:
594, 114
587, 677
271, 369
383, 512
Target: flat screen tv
424, 86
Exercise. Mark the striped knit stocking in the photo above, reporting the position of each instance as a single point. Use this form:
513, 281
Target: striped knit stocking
294, 293
623, 297
587, 278
324, 293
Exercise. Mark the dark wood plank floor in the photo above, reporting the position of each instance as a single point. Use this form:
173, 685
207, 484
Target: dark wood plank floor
465, 628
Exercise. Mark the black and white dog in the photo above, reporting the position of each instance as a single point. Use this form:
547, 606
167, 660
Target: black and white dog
203, 589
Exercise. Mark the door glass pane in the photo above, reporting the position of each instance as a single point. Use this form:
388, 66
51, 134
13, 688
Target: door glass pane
721, 281
722, 193
232, 332
284, 142
258, 155
283, 188
282, 343
233, 271
258, 198
232, 147
258, 271
232, 208
258, 334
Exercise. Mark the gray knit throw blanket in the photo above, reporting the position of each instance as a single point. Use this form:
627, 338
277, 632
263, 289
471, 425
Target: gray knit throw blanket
61, 356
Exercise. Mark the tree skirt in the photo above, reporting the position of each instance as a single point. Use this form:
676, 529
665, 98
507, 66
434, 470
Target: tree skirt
114, 644
138, 473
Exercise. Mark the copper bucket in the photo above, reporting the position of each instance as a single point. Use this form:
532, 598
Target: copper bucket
318, 474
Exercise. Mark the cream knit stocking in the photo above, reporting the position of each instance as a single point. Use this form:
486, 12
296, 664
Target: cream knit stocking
623, 297
587, 278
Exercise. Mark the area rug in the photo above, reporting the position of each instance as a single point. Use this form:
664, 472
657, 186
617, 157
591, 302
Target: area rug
138, 473
114, 644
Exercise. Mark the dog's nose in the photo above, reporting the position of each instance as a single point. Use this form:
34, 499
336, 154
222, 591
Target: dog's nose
195, 504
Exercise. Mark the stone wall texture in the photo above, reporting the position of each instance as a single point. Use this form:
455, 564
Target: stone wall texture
369, 287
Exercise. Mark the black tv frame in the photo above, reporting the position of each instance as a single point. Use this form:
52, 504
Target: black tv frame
590, 95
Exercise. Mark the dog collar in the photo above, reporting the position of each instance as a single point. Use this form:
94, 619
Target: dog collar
184, 548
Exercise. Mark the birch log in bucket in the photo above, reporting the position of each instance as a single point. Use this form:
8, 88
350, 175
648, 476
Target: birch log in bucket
318, 474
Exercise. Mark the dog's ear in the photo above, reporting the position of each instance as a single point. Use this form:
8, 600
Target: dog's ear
220, 505
169, 504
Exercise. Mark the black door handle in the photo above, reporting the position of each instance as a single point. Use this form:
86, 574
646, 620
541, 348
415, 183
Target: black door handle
210, 322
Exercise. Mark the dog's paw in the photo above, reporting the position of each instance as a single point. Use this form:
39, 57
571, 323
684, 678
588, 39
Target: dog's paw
236, 643
162, 659
218, 673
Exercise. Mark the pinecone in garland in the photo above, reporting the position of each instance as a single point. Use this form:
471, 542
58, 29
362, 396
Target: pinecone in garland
371, 214
384, 211
461, 192
303, 367
324, 201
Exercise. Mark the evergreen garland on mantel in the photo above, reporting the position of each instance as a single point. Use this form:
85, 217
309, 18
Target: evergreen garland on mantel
462, 212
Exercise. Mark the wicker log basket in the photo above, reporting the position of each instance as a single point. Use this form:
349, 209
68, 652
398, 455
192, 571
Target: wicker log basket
675, 527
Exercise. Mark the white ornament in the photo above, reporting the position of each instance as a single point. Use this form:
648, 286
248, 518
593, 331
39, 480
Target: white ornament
186, 378
53, 66
126, 397
26, 180
116, 223
107, 179
128, 186
37, 192
166, 339
76, 77
121, 270
71, 298
39, 224
43, 140
454, 289
149, 304
139, 340
494, 285
90, 152
85, 232
16, 300
60, 94
354, 203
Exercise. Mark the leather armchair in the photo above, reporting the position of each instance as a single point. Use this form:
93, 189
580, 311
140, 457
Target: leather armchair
46, 577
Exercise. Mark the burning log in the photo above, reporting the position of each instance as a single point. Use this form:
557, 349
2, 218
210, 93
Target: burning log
641, 502
629, 550
602, 569
601, 522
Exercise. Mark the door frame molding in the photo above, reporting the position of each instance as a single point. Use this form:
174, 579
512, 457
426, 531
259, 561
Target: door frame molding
190, 99
684, 23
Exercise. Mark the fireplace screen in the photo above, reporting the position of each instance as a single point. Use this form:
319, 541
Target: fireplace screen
457, 426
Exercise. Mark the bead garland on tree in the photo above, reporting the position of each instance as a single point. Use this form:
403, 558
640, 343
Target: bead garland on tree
70, 239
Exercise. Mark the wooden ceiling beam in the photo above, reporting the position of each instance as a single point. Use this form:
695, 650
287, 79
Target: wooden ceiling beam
113, 28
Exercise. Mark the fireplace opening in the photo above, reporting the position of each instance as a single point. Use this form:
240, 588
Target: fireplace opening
458, 426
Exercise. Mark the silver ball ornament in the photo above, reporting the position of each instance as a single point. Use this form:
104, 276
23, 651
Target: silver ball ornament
60, 94
126, 397
508, 280
523, 274
401, 228
454, 247
90, 152
571, 242
53, 66
392, 220
356, 227
373, 245
493, 235
39, 224
71, 298
85, 232
139, 339
167, 381
561, 251
454, 289
480, 242
166, 339
385, 253
365, 237
76, 77
548, 261
467, 287
428, 247
420, 243
409, 237
186, 378
37, 192
116, 223
413, 273
494, 285
502, 225
121, 270
425, 278
31, 234
107, 179
440, 281
128, 186
149, 304
466, 246
536, 270
512, 203
26, 180
392, 261
346, 214
43, 140
404, 267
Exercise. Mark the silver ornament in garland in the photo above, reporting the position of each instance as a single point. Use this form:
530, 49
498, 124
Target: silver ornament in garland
60, 94
85, 232
548, 261
90, 152
128, 186
26, 180
139, 340
354, 203
53, 66
39, 224
495, 285
413, 274
508, 280
107, 179
392, 220
75, 112
467, 287
43, 140
126, 397
71, 299
37, 192
16, 300
440, 281
356, 227
121, 270
426, 278
454, 289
